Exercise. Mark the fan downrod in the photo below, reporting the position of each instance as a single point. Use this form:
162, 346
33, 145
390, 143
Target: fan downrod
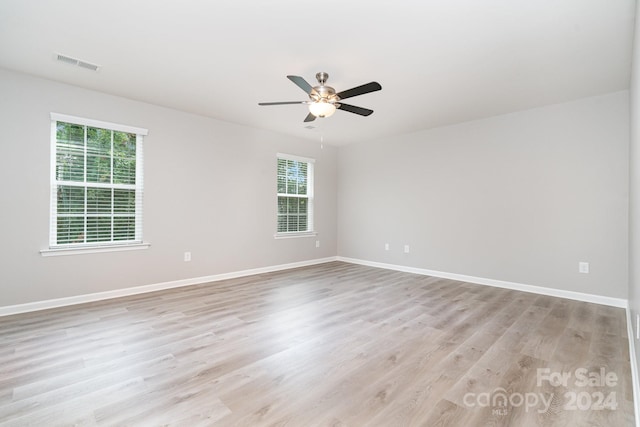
322, 77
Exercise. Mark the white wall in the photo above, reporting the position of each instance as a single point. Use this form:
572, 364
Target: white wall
521, 197
209, 189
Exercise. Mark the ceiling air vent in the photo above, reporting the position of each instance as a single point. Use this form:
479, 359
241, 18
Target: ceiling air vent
78, 62
88, 65
67, 59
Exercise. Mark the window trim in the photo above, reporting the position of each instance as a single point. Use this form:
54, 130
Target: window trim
310, 198
98, 124
93, 247
78, 250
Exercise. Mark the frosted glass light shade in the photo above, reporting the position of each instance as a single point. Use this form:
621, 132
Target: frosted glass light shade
322, 109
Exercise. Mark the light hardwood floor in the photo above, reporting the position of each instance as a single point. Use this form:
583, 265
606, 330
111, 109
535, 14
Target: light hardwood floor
334, 344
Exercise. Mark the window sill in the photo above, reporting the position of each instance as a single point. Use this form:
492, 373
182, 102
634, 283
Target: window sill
93, 249
294, 235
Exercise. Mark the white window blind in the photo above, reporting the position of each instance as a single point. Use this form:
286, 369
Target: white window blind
96, 183
295, 194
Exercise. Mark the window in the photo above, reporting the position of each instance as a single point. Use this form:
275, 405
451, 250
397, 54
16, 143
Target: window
295, 195
96, 183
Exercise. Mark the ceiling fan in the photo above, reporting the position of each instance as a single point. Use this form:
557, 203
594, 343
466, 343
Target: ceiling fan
324, 101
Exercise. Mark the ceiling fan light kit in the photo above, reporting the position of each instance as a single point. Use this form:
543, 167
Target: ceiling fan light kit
324, 101
322, 108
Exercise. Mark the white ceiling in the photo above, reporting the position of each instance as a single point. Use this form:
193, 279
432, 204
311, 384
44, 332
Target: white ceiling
439, 61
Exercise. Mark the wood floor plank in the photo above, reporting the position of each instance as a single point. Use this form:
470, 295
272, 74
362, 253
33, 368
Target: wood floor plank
334, 344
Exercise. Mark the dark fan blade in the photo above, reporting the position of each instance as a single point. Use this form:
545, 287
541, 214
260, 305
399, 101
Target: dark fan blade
360, 90
354, 109
282, 103
310, 117
301, 83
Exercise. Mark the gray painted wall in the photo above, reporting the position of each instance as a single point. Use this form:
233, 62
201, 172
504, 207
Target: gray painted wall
634, 189
209, 189
521, 197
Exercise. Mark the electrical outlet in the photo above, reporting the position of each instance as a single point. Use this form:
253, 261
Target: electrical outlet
583, 267
386, 246
317, 243
187, 256
406, 249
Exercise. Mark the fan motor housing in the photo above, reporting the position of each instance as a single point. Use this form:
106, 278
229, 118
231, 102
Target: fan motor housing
323, 92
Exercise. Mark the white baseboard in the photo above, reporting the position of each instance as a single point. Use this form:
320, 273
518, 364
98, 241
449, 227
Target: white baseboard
79, 299
99, 296
578, 296
634, 367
